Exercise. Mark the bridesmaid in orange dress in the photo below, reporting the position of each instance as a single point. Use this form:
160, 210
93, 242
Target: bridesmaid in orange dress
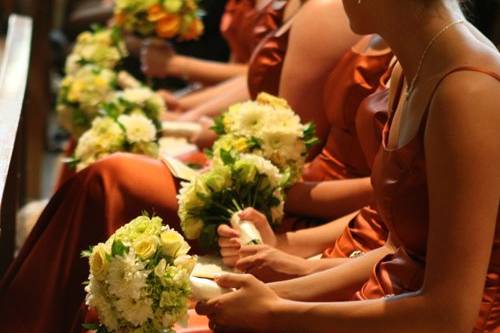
436, 184
360, 72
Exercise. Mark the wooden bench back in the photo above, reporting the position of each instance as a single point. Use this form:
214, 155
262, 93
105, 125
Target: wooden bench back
13, 80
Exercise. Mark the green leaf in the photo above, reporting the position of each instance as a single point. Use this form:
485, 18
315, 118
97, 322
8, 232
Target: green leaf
96, 27
254, 143
209, 152
91, 326
118, 248
87, 253
227, 157
208, 237
72, 162
218, 126
116, 35
310, 138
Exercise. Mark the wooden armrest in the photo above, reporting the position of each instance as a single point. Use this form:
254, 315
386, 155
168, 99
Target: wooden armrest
13, 80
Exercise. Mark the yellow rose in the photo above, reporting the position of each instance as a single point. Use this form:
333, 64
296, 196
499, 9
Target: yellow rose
172, 244
192, 228
146, 247
265, 98
98, 262
75, 91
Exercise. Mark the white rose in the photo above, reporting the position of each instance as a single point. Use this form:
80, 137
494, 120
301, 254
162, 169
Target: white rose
186, 262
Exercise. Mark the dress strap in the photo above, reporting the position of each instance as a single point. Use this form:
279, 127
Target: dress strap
438, 83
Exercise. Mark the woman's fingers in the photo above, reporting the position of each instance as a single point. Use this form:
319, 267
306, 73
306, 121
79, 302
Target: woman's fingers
247, 263
229, 242
226, 231
229, 252
234, 281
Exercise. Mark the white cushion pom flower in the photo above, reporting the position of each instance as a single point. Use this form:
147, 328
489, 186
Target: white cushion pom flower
138, 128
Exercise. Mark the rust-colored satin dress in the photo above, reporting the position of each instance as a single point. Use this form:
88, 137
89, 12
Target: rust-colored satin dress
237, 24
266, 63
400, 185
354, 78
365, 231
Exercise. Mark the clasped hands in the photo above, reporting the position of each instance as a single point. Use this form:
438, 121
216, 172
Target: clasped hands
253, 304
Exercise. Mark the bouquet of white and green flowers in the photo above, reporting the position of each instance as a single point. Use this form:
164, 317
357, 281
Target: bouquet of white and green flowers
217, 196
139, 278
103, 47
161, 18
81, 96
133, 133
141, 100
267, 127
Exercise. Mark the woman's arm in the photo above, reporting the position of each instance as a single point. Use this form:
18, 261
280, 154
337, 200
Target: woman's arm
197, 98
316, 42
236, 91
312, 241
205, 71
328, 200
158, 60
335, 284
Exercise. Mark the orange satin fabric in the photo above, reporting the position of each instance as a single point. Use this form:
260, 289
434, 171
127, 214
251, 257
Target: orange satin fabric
42, 290
365, 231
237, 24
356, 119
266, 63
400, 185
354, 77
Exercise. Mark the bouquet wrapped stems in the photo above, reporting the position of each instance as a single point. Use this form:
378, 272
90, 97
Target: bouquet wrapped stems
248, 232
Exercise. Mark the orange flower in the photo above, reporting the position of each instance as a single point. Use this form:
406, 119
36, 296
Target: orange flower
191, 5
156, 13
119, 19
194, 31
168, 26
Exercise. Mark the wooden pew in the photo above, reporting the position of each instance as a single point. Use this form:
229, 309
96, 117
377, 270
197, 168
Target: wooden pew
13, 80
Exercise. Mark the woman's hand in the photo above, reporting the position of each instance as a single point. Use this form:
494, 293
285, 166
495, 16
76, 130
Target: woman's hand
249, 308
171, 116
229, 243
261, 223
170, 100
229, 239
133, 44
269, 264
205, 137
155, 58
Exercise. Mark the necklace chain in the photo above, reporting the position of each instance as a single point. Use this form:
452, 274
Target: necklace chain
411, 87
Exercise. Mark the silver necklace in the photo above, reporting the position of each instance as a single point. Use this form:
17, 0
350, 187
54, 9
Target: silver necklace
411, 86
